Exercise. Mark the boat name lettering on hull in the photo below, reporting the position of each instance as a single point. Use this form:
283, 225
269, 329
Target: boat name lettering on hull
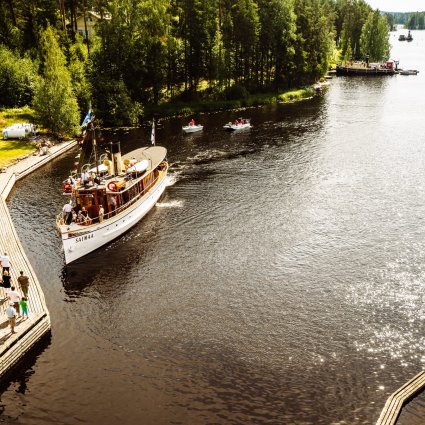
83, 238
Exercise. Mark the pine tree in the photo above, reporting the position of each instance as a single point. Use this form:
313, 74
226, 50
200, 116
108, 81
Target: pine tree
374, 39
54, 103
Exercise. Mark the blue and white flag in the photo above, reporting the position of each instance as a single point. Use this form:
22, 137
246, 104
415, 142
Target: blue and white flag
87, 119
153, 133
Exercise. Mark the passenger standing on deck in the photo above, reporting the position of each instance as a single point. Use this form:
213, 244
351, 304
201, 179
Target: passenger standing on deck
5, 261
67, 212
84, 178
101, 213
23, 283
113, 204
11, 316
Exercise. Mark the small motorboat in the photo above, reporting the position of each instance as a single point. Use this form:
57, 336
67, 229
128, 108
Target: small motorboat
240, 124
192, 128
409, 72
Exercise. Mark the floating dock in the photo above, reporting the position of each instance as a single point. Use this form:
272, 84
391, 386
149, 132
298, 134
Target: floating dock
13, 347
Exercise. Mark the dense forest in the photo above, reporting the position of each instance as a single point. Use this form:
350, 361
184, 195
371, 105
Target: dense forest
410, 20
147, 52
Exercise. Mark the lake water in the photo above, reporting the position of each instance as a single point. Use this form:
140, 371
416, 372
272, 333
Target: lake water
279, 280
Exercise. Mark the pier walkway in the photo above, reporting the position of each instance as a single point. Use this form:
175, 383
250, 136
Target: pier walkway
28, 332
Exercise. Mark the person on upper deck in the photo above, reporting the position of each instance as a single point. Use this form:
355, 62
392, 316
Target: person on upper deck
192, 122
71, 181
85, 178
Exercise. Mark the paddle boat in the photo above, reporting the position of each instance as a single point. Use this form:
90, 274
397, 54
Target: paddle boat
239, 124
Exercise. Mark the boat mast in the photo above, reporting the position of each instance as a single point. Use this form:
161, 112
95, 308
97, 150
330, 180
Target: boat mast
94, 148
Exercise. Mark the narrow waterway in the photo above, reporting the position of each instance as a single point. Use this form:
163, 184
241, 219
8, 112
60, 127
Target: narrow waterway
279, 280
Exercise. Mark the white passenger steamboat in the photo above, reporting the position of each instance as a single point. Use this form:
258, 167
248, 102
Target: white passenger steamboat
111, 196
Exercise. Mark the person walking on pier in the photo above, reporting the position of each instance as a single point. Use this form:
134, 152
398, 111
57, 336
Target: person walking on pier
11, 316
23, 283
6, 281
15, 298
5, 262
24, 307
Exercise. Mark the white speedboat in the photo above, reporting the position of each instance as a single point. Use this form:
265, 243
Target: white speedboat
241, 124
192, 128
409, 72
113, 202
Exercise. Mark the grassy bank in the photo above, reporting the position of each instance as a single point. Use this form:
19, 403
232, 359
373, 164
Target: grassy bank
172, 109
12, 149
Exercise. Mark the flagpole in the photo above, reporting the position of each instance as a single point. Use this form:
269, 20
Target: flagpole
153, 132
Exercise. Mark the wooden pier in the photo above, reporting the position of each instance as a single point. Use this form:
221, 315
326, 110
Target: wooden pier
28, 332
399, 398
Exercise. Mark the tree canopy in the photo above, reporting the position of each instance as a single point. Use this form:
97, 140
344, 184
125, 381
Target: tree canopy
150, 51
54, 102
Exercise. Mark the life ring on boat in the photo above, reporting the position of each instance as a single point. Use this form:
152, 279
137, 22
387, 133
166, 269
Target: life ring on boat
67, 187
112, 186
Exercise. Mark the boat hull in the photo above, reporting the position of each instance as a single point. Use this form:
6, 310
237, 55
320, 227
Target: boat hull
85, 240
346, 70
192, 128
236, 127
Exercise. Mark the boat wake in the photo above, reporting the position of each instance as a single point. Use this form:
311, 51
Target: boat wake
171, 204
219, 155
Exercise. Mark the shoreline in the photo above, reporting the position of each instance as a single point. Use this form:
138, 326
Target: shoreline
181, 109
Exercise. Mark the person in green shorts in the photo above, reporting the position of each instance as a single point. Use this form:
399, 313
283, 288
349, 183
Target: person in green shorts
24, 307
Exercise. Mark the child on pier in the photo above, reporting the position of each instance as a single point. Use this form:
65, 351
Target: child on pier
24, 307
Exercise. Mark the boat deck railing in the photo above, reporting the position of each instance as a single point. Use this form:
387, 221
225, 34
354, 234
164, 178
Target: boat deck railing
95, 220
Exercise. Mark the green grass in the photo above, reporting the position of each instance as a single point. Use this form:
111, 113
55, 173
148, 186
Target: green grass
15, 115
12, 149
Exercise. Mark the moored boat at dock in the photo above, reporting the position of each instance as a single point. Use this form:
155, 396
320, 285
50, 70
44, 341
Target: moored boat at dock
409, 72
364, 68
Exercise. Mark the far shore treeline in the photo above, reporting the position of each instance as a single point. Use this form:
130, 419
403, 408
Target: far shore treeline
190, 54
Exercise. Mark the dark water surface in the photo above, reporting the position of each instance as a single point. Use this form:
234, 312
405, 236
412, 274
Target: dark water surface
280, 279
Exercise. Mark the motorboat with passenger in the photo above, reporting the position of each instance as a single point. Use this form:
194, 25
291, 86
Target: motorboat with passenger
239, 124
110, 197
192, 128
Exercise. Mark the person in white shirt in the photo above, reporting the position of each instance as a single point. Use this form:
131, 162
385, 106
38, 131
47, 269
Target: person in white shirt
11, 316
5, 262
67, 212
84, 178
14, 297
